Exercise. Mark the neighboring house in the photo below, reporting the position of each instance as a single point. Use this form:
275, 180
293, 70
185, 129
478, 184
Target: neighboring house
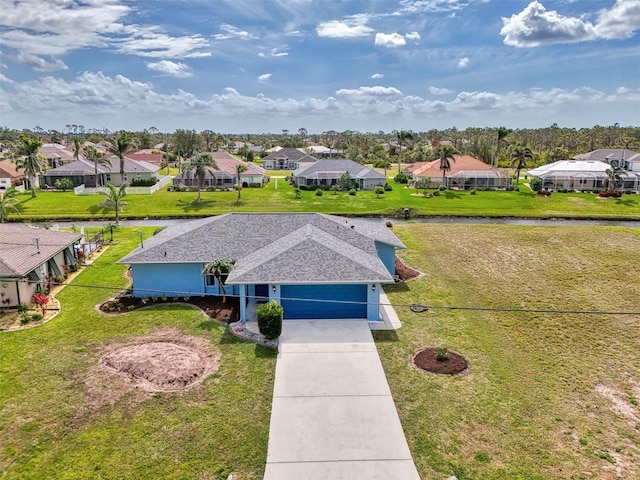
31, 259
56, 154
316, 266
82, 172
225, 176
328, 172
320, 151
466, 172
581, 175
627, 159
148, 155
287, 159
9, 175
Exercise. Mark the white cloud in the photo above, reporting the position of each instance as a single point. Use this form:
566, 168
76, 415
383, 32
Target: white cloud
352, 27
377, 75
412, 36
5, 79
232, 32
264, 77
431, 6
362, 92
171, 69
439, 91
463, 62
536, 25
37, 32
390, 40
274, 52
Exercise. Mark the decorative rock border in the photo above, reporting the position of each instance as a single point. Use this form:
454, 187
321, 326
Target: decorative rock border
239, 330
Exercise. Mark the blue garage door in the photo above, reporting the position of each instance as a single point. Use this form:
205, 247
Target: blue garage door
295, 307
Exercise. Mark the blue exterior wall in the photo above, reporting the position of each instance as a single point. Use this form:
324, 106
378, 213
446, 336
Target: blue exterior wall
387, 254
154, 279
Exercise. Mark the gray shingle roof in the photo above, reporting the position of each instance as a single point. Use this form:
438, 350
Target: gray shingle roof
19, 253
282, 240
321, 168
293, 154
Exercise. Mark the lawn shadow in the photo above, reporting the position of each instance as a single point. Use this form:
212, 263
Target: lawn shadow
627, 202
385, 336
195, 205
526, 194
449, 194
397, 287
265, 352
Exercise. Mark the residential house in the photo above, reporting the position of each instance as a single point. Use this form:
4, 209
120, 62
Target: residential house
9, 175
328, 172
466, 172
56, 154
148, 155
581, 175
31, 259
82, 172
226, 174
287, 159
320, 151
316, 266
625, 158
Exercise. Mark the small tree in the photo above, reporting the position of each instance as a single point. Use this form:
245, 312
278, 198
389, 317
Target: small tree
40, 301
239, 169
7, 204
113, 199
110, 227
270, 317
345, 180
379, 191
219, 268
424, 184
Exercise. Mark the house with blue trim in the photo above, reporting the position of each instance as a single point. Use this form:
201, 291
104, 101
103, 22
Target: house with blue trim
316, 266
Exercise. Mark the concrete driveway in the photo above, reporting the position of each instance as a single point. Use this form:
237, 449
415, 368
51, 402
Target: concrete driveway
333, 416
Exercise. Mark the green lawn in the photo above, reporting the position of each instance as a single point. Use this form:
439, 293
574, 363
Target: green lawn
207, 432
547, 396
278, 196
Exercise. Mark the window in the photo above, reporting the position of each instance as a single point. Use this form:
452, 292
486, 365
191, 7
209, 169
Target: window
108, 177
209, 280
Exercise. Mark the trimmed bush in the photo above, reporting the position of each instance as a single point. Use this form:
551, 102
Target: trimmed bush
63, 184
318, 192
270, 319
352, 192
144, 182
387, 187
402, 178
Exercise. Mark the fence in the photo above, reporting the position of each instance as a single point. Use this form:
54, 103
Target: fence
82, 190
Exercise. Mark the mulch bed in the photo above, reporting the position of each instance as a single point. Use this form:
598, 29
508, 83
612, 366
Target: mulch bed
405, 272
426, 360
214, 307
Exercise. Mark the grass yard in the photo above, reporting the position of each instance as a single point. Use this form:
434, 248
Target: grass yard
278, 196
207, 432
547, 396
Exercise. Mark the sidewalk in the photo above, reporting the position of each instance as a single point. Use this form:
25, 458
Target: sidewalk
333, 416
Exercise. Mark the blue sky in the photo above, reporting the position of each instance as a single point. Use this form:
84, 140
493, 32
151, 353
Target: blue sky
245, 66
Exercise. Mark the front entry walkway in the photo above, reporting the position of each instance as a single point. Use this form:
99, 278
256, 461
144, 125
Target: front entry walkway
333, 416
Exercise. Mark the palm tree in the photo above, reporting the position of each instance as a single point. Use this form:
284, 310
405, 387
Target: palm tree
519, 158
113, 199
402, 136
93, 155
239, 169
122, 145
7, 204
77, 145
30, 163
502, 135
219, 268
614, 176
446, 156
200, 164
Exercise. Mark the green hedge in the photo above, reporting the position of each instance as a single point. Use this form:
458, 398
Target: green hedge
270, 319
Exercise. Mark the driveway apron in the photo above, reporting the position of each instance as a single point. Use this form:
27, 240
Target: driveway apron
333, 416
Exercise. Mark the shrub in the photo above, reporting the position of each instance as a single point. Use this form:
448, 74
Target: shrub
442, 188
40, 301
270, 319
318, 192
378, 191
387, 187
23, 307
472, 191
402, 178
144, 182
436, 193
536, 184
63, 184
442, 354
352, 192
389, 224
297, 192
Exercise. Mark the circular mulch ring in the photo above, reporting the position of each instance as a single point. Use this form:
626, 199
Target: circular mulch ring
426, 360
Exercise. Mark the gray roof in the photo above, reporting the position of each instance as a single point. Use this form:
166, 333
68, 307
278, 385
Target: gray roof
334, 168
293, 247
19, 253
292, 154
85, 167
607, 154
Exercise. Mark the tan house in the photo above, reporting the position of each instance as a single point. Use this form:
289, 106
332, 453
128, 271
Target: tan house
9, 175
226, 174
31, 259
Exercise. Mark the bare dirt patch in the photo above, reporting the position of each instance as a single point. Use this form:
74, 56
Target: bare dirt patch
213, 306
427, 359
164, 361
